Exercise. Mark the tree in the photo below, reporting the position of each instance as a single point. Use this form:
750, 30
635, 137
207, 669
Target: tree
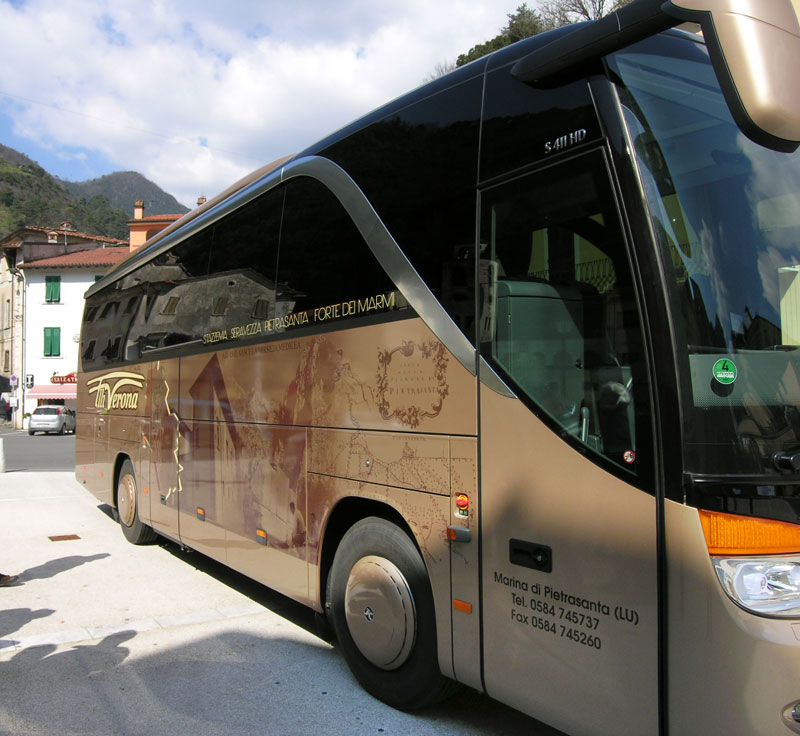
557, 13
440, 69
522, 24
527, 22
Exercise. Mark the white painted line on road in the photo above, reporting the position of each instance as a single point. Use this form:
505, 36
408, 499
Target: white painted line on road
245, 609
74, 636
145, 624
52, 639
195, 617
39, 498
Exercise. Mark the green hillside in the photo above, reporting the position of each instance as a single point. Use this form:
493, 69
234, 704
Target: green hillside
122, 189
31, 196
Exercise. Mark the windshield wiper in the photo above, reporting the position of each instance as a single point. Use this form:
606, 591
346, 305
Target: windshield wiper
787, 460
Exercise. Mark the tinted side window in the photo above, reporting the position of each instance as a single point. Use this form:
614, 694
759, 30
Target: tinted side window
559, 318
326, 271
524, 124
100, 332
244, 256
418, 168
172, 302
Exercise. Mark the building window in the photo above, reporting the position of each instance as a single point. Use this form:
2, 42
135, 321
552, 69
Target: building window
52, 342
220, 306
111, 352
6, 361
171, 305
88, 354
261, 310
110, 308
52, 289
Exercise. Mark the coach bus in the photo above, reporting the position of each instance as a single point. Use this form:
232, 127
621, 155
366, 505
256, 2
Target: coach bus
502, 379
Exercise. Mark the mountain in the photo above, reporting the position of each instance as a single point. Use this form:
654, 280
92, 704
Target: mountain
31, 196
123, 188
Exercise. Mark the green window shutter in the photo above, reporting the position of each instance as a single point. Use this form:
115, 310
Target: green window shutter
52, 341
52, 288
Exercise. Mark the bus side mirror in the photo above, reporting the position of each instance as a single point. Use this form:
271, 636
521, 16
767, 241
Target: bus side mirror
755, 51
754, 48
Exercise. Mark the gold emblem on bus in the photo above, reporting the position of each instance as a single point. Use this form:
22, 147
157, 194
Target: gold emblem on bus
412, 382
108, 393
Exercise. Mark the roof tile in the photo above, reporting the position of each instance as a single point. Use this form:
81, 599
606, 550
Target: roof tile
78, 259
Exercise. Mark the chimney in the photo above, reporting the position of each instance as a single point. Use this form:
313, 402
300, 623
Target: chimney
201, 201
138, 209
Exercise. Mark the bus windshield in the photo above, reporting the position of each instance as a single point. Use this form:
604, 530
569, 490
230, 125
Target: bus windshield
726, 214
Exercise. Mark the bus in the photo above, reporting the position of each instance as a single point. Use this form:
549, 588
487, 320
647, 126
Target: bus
503, 379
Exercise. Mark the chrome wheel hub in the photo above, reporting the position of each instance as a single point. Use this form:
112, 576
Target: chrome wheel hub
126, 499
379, 609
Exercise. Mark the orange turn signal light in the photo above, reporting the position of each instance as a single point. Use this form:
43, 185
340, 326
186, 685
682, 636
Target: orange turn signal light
462, 606
730, 534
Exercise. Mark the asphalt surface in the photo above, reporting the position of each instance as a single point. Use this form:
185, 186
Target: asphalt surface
103, 637
41, 452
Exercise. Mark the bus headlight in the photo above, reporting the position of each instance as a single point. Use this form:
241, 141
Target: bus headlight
767, 585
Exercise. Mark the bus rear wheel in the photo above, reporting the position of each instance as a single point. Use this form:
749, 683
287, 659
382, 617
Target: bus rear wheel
381, 607
132, 527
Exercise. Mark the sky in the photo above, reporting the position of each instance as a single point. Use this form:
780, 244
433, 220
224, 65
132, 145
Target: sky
194, 95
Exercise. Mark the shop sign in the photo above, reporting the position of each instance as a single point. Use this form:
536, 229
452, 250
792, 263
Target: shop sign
69, 378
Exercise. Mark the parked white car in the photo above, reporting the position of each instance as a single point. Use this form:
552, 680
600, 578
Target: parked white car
51, 419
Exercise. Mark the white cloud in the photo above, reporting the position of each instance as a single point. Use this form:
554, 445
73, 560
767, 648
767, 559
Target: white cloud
196, 95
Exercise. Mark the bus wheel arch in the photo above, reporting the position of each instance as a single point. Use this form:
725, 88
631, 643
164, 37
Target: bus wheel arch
347, 512
126, 503
380, 604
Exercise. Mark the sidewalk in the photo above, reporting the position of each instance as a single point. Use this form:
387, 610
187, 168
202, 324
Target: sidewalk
75, 588
102, 637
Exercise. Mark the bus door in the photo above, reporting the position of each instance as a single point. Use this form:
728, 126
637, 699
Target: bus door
568, 525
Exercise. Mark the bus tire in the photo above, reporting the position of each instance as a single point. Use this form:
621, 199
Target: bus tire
381, 607
127, 508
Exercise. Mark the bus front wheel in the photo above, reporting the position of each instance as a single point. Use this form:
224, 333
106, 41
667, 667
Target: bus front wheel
132, 527
381, 607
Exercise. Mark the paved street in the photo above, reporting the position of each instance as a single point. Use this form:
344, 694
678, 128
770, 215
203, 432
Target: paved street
103, 637
48, 452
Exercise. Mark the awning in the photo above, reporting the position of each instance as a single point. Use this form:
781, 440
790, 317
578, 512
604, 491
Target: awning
53, 391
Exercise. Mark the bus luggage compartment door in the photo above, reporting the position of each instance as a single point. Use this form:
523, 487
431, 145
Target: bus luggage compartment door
163, 444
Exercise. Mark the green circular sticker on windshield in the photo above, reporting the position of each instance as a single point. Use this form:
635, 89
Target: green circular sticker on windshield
724, 371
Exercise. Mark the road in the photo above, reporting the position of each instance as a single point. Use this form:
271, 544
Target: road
103, 637
42, 452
